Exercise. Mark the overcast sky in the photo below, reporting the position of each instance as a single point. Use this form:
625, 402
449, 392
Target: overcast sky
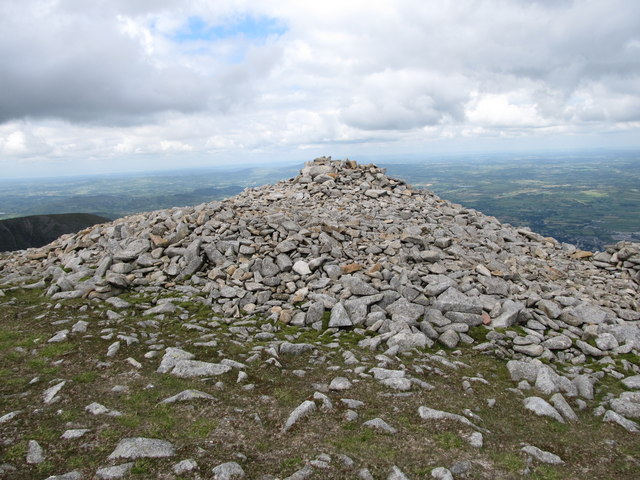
115, 85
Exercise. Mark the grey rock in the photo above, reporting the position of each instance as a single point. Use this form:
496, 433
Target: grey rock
287, 348
396, 474
74, 475
74, 433
563, 407
403, 308
542, 456
519, 370
584, 386
35, 453
195, 368
476, 440
454, 300
541, 407
305, 409
550, 308
402, 384
339, 384
357, 286
117, 471
50, 394
384, 373
185, 466
339, 317
406, 340
133, 250
625, 407
171, 357
228, 471
380, 425
559, 342
140, 447
606, 341
530, 350
441, 473
583, 313
187, 395
629, 382
449, 338
427, 413
628, 425
509, 314
301, 268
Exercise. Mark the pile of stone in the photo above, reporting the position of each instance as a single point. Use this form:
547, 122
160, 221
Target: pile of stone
623, 257
344, 246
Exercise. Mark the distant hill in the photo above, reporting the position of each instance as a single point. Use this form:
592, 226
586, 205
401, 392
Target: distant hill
38, 230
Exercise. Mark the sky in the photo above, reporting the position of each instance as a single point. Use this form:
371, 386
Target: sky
134, 85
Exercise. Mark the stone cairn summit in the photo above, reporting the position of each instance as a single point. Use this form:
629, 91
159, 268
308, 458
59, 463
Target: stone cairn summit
344, 246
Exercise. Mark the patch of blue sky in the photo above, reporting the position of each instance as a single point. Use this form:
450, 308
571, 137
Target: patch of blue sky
253, 28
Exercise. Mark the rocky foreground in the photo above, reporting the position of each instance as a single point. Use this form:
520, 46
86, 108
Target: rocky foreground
336, 325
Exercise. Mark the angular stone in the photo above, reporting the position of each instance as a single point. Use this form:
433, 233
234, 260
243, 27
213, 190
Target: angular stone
564, 408
35, 453
405, 309
228, 471
559, 342
115, 472
583, 313
301, 268
542, 456
406, 340
449, 338
340, 384
427, 413
304, 409
454, 300
133, 250
628, 425
357, 286
171, 357
187, 395
509, 314
381, 426
140, 447
632, 382
339, 317
287, 348
49, 395
195, 368
540, 407
531, 350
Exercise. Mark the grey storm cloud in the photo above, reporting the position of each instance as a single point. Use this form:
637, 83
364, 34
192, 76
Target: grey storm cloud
76, 64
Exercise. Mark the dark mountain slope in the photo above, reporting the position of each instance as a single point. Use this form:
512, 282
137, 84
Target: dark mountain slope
38, 230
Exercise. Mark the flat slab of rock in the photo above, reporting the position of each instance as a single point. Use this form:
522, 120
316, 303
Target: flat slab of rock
49, 395
196, 368
304, 409
542, 456
632, 382
381, 426
186, 395
427, 413
628, 425
140, 447
541, 407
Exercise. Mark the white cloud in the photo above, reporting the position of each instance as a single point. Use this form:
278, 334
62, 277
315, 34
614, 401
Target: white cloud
121, 81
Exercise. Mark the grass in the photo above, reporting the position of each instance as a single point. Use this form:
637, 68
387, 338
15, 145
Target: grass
227, 426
